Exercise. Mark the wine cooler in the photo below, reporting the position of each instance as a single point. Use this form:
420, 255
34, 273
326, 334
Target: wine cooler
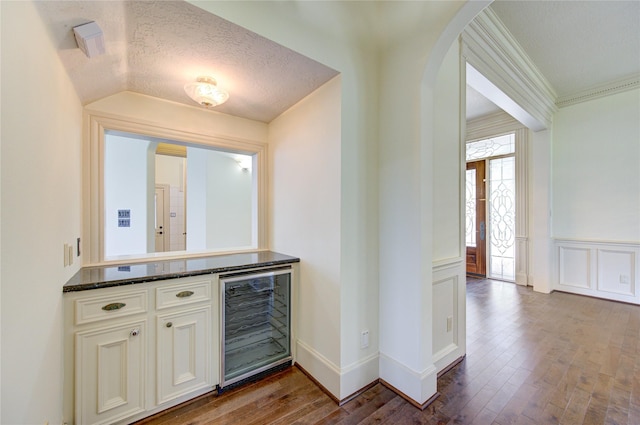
256, 323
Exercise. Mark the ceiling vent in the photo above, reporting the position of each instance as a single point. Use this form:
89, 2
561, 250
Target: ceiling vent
90, 39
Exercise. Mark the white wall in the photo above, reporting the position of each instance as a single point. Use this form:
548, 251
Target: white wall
170, 170
229, 203
196, 200
596, 197
305, 200
219, 202
41, 210
596, 169
449, 282
540, 211
126, 186
447, 167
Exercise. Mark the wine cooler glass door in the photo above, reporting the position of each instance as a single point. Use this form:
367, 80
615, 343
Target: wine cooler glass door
256, 323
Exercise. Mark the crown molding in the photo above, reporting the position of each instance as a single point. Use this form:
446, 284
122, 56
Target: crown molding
602, 90
489, 47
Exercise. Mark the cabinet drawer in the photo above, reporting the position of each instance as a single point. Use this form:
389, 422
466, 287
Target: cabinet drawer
182, 294
92, 309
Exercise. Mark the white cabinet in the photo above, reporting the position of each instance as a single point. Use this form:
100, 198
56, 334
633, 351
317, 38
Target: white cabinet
110, 378
132, 351
183, 352
135, 350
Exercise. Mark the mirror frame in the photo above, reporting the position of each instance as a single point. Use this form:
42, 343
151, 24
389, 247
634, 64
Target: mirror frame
95, 125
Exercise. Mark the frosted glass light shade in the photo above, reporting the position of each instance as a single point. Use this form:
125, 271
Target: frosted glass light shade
206, 92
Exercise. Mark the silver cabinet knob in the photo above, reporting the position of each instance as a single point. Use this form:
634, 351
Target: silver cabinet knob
169, 324
134, 332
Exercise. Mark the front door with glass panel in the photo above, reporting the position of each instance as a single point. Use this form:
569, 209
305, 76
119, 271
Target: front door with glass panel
491, 242
475, 218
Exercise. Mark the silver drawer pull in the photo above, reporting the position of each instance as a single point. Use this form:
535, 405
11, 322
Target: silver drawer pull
113, 306
184, 294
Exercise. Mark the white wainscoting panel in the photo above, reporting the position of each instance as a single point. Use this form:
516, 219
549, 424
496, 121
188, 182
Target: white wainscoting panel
574, 267
449, 315
616, 272
599, 269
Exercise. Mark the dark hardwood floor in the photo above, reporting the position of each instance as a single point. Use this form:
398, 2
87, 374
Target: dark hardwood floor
531, 359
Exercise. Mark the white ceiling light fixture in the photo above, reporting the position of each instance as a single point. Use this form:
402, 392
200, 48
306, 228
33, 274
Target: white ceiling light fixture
206, 92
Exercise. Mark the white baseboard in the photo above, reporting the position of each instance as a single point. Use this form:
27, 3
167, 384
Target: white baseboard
359, 375
318, 366
418, 386
341, 383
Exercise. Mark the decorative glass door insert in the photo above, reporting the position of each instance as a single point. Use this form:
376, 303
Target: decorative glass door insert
502, 218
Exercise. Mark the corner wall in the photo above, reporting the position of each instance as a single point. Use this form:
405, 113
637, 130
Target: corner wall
41, 211
304, 148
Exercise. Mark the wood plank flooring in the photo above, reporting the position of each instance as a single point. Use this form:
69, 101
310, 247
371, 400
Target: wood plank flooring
531, 359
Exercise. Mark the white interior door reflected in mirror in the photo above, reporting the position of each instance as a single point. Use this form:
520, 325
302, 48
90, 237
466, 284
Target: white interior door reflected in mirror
162, 229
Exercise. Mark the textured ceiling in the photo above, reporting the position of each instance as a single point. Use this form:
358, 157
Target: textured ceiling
576, 44
156, 47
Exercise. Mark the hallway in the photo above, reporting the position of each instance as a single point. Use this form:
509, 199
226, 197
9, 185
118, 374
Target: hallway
531, 359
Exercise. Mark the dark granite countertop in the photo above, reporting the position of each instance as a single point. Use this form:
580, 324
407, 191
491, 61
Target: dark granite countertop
128, 274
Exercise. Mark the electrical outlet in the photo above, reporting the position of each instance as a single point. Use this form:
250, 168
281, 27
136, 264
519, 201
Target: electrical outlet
66, 255
364, 339
624, 278
449, 323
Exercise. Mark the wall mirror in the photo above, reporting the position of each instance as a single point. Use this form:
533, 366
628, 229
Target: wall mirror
161, 197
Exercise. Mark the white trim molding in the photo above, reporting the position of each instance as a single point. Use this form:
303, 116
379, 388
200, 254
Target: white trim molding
318, 366
602, 90
419, 386
342, 383
489, 48
598, 268
522, 209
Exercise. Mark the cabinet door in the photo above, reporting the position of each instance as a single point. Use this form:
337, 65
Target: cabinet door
184, 352
110, 373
